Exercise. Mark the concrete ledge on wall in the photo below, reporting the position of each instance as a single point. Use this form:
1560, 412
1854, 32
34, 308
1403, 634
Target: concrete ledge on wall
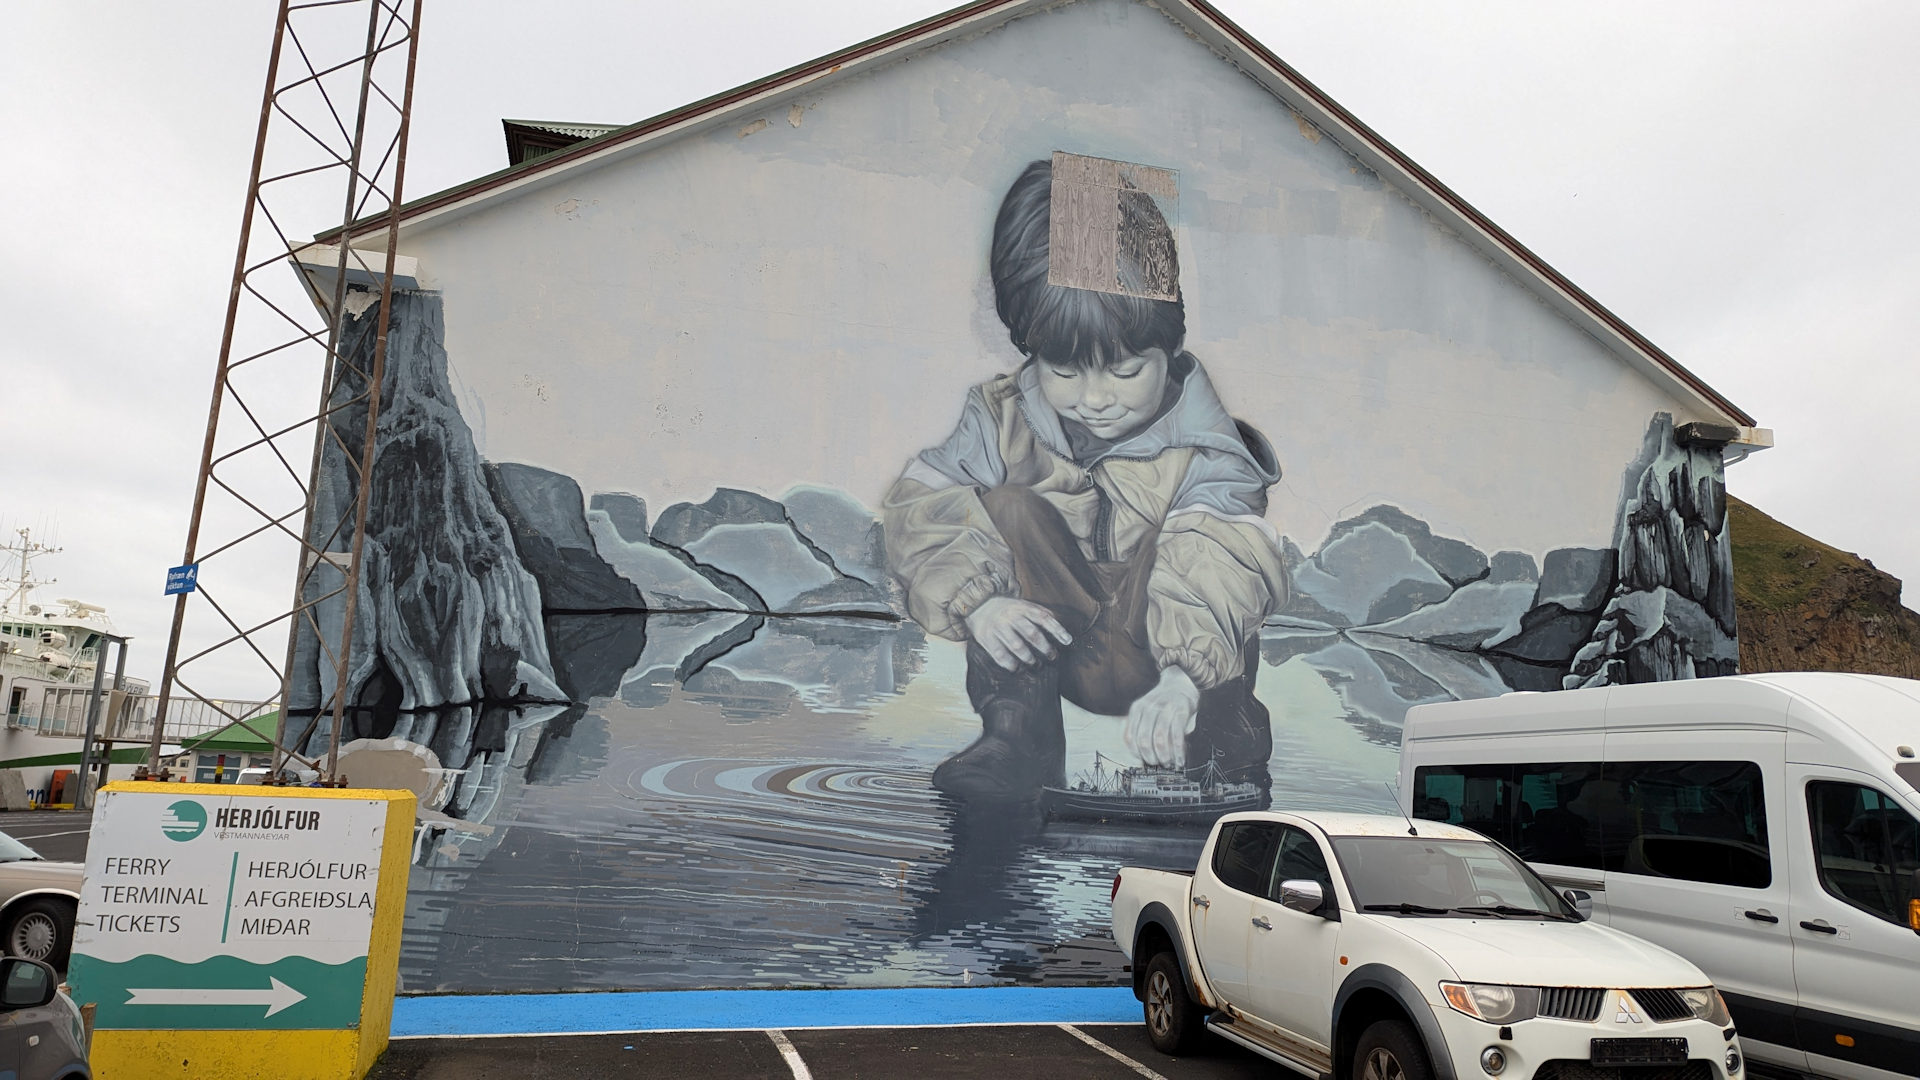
1705, 434
472, 1015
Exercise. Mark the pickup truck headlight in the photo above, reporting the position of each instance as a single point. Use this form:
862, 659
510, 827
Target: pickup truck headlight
1493, 1003
1707, 1004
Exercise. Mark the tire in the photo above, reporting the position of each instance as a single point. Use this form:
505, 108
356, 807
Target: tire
1174, 1021
40, 930
1390, 1050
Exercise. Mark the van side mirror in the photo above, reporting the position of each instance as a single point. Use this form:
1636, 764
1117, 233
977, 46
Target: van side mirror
26, 984
1582, 902
1302, 895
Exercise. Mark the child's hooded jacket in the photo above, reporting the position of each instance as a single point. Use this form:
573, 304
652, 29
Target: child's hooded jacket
1195, 479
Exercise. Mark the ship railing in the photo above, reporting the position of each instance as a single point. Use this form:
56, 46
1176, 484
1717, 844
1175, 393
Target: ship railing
129, 717
188, 718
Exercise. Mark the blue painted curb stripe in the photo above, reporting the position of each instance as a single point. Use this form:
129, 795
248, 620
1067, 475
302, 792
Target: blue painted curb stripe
719, 1010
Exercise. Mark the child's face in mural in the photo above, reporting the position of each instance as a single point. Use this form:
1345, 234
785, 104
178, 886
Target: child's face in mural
1113, 400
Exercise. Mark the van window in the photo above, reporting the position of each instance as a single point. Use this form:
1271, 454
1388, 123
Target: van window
1547, 827
1243, 855
1910, 772
1695, 820
1523, 806
1477, 796
1868, 847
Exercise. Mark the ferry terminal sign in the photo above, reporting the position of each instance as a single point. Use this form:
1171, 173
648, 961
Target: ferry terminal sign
241, 913
228, 912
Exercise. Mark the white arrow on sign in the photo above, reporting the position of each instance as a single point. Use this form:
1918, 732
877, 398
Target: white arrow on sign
279, 996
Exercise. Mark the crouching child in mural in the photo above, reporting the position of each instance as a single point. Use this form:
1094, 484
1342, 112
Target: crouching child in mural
1093, 527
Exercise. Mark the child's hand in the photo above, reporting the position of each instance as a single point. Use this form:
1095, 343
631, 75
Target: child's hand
1014, 632
1160, 720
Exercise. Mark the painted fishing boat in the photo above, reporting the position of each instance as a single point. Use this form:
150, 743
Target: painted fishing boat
1135, 793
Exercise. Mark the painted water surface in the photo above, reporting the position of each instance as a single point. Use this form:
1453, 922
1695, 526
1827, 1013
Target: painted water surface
707, 838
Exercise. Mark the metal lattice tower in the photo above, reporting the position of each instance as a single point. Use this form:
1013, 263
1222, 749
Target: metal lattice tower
331, 150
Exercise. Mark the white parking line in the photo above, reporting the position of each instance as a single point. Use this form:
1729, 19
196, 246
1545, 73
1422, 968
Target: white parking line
1111, 1052
792, 1056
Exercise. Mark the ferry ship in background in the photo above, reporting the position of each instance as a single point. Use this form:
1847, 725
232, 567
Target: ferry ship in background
50, 653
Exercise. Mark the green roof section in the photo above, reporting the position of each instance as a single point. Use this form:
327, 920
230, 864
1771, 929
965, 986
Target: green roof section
576, 131
239, 737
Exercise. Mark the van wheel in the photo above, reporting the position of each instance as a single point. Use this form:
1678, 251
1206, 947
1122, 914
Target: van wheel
40, 930
1389, 1050
1174, 1023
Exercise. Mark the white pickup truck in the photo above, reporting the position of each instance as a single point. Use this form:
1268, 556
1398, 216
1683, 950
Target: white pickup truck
1375, 948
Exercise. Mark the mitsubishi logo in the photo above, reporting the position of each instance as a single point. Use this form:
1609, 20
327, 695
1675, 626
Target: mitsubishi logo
1625, 1013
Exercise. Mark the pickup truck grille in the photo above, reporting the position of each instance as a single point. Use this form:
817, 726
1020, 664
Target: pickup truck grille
1582, 1070
1662, 1006
1580, 1003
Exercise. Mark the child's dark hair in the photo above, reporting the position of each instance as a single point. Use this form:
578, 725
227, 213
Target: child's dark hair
1082, 328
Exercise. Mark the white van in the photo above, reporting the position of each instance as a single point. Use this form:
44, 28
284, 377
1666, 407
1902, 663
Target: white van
1766, 827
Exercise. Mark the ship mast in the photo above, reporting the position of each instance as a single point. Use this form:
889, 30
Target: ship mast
18, 587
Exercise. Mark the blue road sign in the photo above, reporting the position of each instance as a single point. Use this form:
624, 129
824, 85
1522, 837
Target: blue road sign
182, 579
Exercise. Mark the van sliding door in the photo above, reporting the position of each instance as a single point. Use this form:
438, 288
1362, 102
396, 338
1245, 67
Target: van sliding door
1693, 846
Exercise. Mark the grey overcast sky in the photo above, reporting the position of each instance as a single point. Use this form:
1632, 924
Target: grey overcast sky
1730, 177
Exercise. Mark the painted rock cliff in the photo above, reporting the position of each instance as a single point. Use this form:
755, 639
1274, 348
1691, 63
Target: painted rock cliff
447, 614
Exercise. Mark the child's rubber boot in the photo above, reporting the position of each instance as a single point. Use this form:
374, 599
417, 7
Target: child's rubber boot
1233, 731
1023, 741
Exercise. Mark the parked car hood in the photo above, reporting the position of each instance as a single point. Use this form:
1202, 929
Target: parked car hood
1531, 952
26, 875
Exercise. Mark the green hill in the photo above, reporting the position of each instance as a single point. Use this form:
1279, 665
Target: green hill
1807, 606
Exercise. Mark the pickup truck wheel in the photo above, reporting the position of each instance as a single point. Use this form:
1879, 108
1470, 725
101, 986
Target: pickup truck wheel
1174, 1023
1389, 1050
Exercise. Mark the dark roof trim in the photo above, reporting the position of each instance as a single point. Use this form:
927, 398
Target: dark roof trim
828, 64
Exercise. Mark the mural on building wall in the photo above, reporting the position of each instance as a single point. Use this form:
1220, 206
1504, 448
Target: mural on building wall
1094, 527
786, 738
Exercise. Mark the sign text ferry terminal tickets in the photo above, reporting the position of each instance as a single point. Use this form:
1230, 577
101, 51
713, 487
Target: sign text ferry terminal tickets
244, 911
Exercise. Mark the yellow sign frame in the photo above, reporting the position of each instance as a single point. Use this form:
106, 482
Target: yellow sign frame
311, 1054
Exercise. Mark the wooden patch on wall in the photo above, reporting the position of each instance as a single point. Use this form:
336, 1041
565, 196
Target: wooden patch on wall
1111, 227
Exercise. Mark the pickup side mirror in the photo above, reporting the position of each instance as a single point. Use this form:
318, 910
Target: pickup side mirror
1582, 902
26, 984
1303, 896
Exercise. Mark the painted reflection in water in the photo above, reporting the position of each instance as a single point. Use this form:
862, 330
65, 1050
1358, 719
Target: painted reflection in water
677, 833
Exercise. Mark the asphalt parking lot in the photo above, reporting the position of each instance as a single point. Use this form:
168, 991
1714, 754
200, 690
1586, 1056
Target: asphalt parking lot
58, 835
1057, 1052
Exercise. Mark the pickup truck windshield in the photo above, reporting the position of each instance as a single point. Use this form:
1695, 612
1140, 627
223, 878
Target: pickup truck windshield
1412, 875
